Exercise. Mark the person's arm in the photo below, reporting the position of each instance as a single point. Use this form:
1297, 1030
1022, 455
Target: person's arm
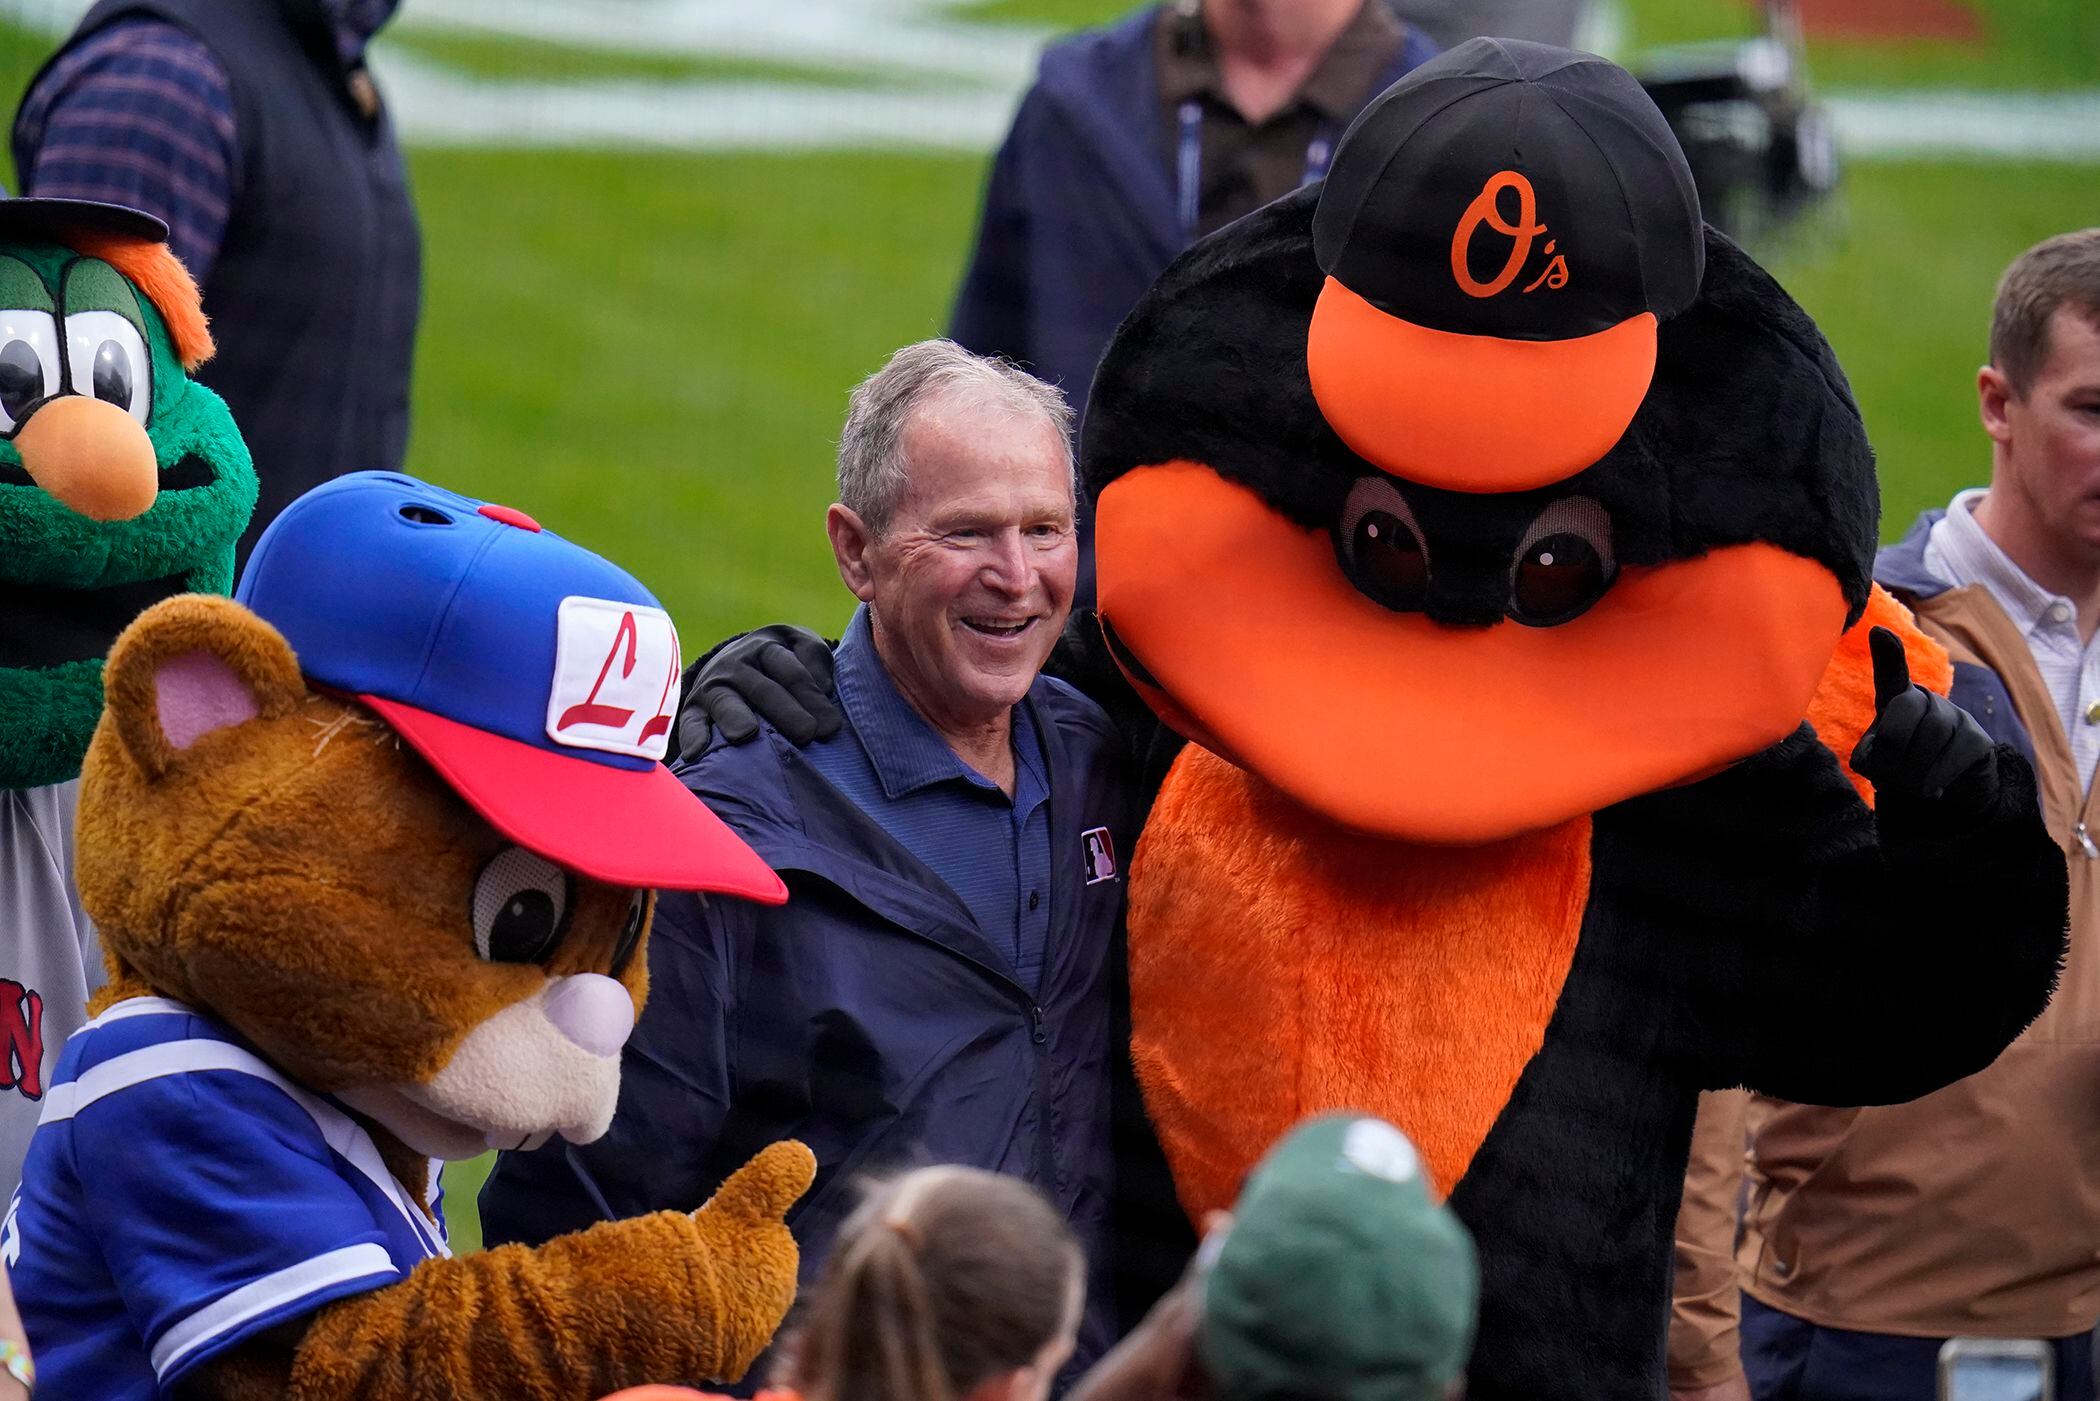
780, 673
1706, 1306
140, 114
675, 1094
1844, 956
670, 1294
1156, 1360
17, 1369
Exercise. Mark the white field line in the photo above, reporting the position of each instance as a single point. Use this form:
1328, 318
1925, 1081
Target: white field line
1969, 125
436, 107
883, 38
936, 82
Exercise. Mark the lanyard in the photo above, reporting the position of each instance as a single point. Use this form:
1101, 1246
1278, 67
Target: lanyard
1188, 164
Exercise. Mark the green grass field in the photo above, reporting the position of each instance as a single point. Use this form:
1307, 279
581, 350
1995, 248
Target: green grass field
2026, 43
497, 57
651, 353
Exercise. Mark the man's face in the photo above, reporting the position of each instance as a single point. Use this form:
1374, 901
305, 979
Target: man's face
2050, 436
972, 580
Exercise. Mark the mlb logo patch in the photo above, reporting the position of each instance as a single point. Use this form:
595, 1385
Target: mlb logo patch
615, 678
1100, 855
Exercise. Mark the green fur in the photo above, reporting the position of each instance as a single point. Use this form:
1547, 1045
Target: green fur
50, 715
47, 716
43, 542
22, 286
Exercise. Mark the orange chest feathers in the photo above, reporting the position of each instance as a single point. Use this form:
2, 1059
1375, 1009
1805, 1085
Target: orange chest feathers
1281, 965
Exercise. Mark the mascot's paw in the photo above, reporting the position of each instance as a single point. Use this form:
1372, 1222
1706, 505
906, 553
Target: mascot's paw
1922, 746
743, 1233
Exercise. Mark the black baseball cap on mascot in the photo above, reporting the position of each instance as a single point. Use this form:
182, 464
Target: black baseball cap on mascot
1510, 228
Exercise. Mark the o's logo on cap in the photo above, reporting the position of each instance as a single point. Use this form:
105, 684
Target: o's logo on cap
615, 681
1486, 208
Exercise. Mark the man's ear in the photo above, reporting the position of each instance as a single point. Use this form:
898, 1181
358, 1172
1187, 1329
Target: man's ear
189, 666
1993, 392
850, 538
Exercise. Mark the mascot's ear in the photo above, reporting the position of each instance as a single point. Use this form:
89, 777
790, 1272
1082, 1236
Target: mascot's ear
192, 665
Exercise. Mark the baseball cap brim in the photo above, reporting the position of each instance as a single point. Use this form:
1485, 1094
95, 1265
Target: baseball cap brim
56, 219
1473, 413
629, 827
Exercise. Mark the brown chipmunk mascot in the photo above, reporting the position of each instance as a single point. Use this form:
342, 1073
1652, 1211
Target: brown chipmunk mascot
371, 859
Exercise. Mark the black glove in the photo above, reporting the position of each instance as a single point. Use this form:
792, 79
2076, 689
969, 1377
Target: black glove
1921, 745
782, 673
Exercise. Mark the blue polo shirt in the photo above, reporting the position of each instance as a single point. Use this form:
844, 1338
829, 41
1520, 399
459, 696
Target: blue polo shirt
992, 851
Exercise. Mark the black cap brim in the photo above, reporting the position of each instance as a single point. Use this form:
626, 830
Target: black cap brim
56, 219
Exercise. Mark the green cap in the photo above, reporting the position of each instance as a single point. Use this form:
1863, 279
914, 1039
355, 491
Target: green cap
1340, 1277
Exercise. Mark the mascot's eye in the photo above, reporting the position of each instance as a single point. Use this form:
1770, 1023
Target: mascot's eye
28, 364
1564, 565
521, 907
1382, 547
107, 358
630, 933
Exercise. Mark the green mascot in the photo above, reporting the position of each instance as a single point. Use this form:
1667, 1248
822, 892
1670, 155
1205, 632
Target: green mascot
122, 481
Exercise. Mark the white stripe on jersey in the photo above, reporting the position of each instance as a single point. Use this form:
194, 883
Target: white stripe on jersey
138, 1007
342, 1133
258, 1297
137, 1067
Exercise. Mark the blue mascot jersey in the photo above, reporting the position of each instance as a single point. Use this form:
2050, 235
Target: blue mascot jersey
182, 1195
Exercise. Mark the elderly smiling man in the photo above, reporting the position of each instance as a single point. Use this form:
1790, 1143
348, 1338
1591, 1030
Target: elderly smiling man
936, 989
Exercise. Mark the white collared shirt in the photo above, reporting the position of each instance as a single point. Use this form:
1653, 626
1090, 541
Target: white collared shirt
1959, 552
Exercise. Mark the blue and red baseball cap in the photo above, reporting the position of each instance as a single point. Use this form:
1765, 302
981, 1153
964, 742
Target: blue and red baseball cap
538, 680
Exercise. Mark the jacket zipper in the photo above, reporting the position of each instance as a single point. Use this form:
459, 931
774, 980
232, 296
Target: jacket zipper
1045, 1156
2085, 842
1039, 1034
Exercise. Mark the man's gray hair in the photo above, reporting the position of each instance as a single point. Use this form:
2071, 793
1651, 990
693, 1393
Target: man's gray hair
873, 474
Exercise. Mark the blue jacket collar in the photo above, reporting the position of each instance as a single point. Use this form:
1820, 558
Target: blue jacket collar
906, 752
774, 799
1900, 568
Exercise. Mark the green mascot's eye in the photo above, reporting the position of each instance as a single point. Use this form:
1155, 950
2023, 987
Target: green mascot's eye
112, 373
28, 364
108, 360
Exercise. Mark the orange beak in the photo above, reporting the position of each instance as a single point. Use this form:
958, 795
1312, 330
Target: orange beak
1253, 643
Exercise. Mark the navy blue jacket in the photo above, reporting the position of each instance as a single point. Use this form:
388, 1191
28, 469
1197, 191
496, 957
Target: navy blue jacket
1079, 213
867, 1017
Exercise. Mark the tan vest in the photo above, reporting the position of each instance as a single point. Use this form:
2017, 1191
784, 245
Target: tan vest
1975, 1210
